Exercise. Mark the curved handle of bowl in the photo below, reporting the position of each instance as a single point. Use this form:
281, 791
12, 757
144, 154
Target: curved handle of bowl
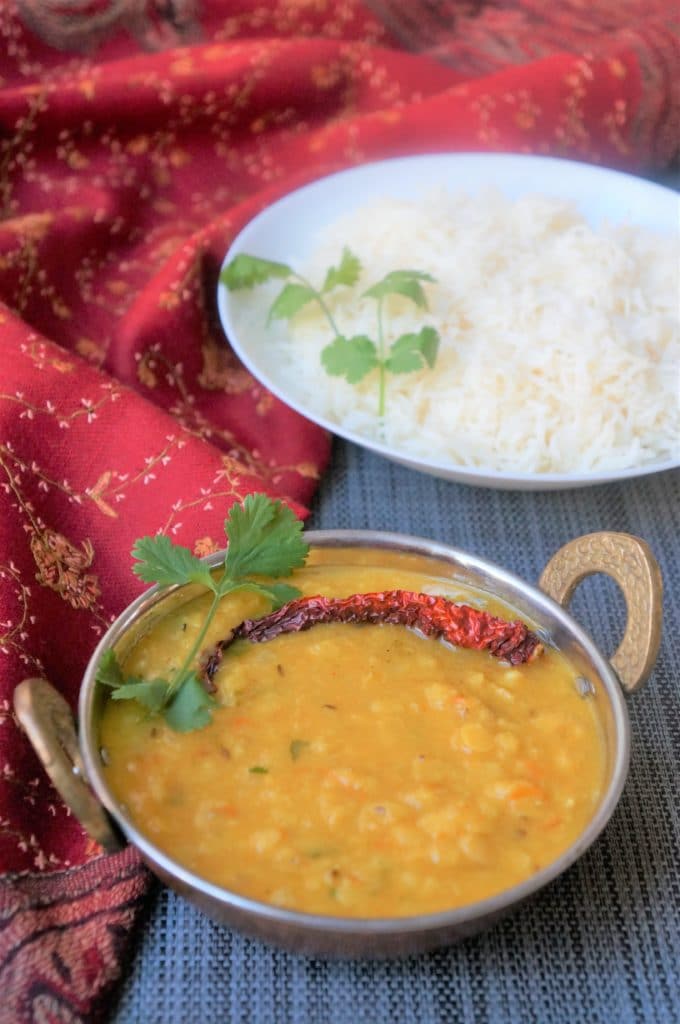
47, 721
630, 562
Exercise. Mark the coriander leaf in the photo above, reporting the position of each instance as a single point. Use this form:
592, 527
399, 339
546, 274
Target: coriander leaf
278, 593
429, 344
402, 282
190, 708
346, 273
351, 358
258, 769
413, 351
297, 747
109, 672
265, 538
244, 271
281, 593
151, 693
161, 561
289, 300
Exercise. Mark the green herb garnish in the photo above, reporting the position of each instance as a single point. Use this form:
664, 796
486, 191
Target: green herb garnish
264, 539
352, 358
258, 769
297, 747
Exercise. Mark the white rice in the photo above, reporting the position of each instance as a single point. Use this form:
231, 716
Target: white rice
560, 345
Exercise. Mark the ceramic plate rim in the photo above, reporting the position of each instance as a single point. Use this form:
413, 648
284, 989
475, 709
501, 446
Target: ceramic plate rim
593, 177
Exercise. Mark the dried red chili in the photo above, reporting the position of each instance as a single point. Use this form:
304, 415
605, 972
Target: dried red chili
457, 624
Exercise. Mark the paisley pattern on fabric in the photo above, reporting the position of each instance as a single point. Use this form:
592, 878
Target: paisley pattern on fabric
63, 937
82, 26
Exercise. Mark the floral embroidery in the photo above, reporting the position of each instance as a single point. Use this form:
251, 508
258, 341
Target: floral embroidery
61, 567
205, 546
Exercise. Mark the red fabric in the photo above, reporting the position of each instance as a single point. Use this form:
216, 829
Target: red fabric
64, 938
135, 140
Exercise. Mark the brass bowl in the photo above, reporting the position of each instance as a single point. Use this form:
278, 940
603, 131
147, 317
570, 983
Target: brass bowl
74, 762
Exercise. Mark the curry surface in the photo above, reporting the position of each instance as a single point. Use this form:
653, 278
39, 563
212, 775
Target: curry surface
359, 770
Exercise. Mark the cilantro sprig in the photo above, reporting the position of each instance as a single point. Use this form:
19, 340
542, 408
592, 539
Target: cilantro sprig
264, 539
354, 357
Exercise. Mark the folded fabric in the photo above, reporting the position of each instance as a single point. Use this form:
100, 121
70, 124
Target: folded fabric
136, 139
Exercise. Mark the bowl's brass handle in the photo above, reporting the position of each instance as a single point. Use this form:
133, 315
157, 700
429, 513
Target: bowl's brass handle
630, 562
47, 721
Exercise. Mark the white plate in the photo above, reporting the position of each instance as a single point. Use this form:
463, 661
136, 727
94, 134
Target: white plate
286, 231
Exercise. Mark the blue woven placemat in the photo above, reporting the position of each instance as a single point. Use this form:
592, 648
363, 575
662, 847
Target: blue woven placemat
602, 943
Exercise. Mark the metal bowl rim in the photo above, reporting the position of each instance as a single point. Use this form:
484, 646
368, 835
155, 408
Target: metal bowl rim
312, 923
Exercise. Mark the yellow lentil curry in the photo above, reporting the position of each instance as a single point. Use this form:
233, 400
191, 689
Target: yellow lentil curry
359, 770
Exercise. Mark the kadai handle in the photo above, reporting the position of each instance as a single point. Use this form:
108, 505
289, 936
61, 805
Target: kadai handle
48, 722
629, 561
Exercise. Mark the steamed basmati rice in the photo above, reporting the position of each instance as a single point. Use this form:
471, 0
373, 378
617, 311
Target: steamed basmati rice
560, 348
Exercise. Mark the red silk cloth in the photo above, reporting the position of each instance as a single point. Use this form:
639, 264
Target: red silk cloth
136, 139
